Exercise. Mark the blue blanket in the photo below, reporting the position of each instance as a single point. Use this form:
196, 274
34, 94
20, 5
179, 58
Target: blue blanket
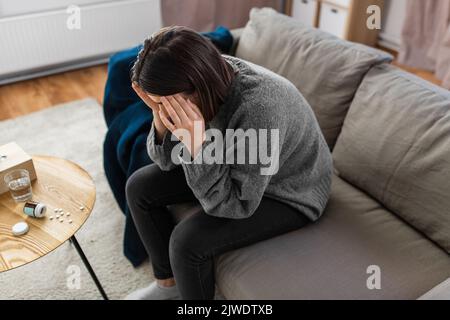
129, 121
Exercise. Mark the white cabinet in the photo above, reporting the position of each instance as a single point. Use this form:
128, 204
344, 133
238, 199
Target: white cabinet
346, 19
341, 3
333, 19
305, 11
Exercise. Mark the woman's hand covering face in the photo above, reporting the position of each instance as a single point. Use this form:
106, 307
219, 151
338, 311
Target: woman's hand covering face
144, 96
179, 114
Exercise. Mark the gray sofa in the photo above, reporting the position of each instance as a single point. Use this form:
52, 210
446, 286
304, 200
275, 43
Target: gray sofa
390, 202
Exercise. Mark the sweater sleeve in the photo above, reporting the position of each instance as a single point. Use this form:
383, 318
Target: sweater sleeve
231, 191
161, 154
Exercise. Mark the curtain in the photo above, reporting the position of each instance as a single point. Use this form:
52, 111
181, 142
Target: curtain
205, 15
426, 37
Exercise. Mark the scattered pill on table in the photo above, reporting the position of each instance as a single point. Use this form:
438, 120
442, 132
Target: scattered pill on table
20, 229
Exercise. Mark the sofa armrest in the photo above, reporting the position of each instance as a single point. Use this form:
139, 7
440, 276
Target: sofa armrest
236, 33
441, 292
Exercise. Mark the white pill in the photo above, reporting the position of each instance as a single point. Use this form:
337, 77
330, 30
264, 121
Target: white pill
20, 229
70, 221
61, 220
68, 214
51, 217
57, 216
55, 210
81, 208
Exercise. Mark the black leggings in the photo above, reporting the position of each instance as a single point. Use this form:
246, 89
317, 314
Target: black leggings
186, 251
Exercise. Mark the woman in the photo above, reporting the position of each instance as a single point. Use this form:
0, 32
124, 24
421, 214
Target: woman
191, 90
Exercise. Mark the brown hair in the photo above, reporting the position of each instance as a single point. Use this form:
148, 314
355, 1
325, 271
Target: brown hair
179, 60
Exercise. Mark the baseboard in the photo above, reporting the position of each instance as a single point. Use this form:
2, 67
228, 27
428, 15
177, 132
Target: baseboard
46, 71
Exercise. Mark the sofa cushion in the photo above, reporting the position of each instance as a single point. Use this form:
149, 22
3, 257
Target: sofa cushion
325, 69
395, 145
329, 259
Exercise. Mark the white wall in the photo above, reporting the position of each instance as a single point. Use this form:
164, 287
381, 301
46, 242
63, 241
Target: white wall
393, 18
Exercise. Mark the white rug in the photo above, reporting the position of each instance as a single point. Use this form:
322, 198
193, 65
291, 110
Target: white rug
74, 131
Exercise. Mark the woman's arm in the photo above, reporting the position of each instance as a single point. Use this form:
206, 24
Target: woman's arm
161, 152
225, 190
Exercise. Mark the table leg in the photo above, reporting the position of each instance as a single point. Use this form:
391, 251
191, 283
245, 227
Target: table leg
74, 241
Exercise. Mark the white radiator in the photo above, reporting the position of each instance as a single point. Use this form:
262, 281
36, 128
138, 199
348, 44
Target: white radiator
41, 43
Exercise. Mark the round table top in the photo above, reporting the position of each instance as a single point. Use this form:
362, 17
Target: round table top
60, 184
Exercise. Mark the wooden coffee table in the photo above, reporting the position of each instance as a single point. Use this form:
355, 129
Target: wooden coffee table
60, 184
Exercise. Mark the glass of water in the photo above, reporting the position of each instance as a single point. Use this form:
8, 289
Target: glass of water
19, 184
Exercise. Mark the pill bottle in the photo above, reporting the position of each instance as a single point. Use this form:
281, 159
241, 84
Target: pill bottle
34, 209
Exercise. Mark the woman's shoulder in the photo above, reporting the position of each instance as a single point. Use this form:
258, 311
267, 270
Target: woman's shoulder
260, 82
261, 95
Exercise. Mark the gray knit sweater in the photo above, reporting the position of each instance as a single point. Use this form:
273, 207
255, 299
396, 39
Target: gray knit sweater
259, 99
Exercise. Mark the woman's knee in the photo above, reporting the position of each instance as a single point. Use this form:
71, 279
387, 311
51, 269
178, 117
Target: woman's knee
187, 242
139, 185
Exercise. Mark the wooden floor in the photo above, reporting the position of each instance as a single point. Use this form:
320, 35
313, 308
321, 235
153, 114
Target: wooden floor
24, 97
32, 95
